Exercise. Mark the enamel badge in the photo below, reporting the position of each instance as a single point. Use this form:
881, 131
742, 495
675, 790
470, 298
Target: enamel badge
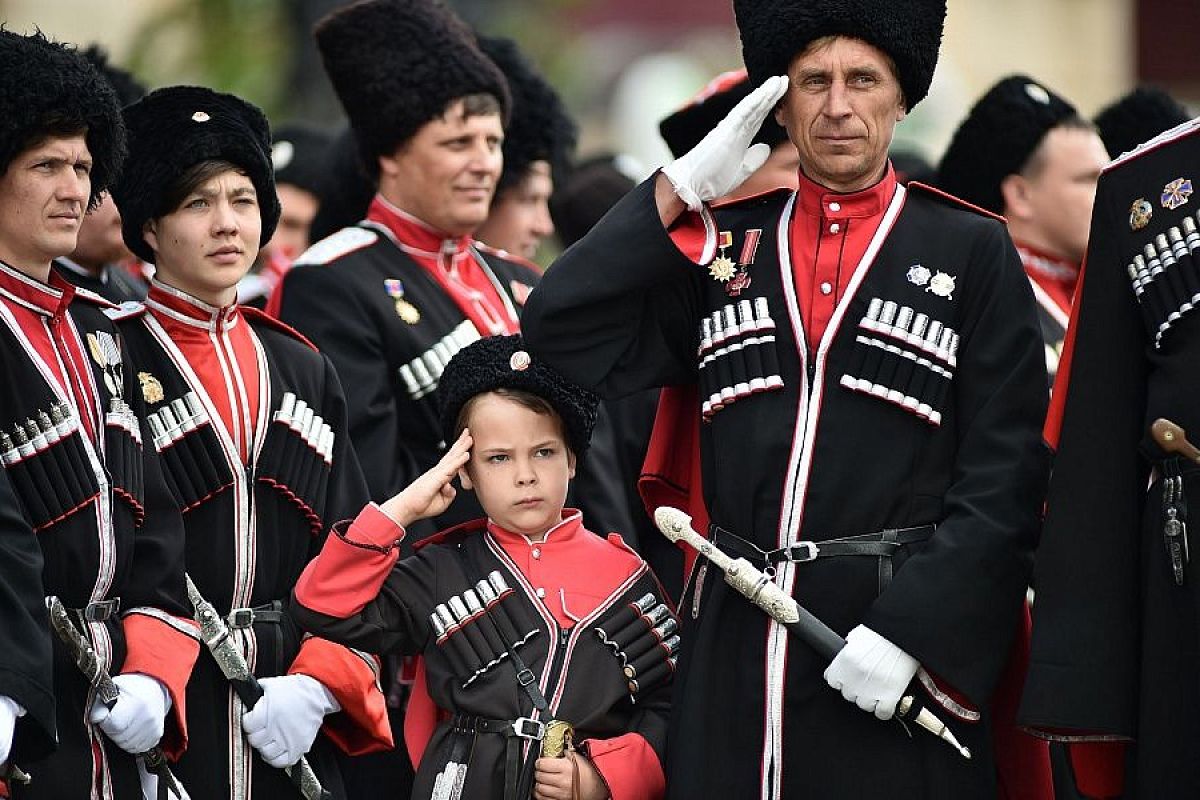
152, 389
919, 275
942, 285
1140, 213
1176, 193
404, 309
104, 351
723, 267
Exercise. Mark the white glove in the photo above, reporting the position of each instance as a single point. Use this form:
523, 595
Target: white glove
871, 672
284, 722
724, 158
135, 723
10, 712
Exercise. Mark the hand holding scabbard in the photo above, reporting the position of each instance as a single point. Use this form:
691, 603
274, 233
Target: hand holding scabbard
761, 590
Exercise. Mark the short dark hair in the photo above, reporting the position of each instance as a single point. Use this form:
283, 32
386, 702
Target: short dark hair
535, 403
192, 178
1037, 159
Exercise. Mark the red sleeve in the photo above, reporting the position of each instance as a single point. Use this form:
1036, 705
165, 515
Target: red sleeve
352, 565
692, 235
353, 678
629, 766
163, 650
1099, 768
420, 716
1022, 759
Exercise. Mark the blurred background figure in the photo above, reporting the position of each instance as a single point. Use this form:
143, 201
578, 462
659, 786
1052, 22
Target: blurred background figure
1138, 117
590, 189
101, 261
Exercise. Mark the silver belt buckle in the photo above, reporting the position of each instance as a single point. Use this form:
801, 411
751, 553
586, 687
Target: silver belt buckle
811, 552
519, 728
241, 618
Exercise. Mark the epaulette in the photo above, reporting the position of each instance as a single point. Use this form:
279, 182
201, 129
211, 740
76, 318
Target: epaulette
93, 298
336, 245
130, 309
461, 530
618, 541
1166, 137
255, 315
946, 197
488, 250
764, 194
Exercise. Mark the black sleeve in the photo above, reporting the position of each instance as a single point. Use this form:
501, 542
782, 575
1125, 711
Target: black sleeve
25, 657
618, 311
328, 309
954, 605
347, 492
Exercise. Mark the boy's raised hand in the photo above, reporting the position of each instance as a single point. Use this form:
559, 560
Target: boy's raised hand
432, 493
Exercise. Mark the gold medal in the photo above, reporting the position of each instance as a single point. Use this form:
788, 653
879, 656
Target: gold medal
407, 311
1140, 213
722, 268
152, 390
97, 352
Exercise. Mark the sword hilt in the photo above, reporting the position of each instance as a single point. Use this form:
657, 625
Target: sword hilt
1173, 439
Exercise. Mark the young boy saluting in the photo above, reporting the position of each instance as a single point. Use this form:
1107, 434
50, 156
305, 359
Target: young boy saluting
522, 618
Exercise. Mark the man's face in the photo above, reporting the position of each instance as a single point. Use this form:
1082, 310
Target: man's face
44, 194
446, 173
842, 105
100, 240
297, 208
1050, 205
207, 245
520, 217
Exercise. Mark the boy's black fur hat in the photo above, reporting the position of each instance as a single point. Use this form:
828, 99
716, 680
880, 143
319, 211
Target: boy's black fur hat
1138, 117
540, 128
683, 129
910, 31
49, 88
172, 130
299, 154
397, 64
502, 362
128, 88
999, 134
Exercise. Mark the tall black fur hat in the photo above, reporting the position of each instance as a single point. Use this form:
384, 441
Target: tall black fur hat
50, 88
910, 31
683, 129
1001, 132
1138, 117
397, 64
540, 128
172, 130
502, 362
128, 88
299, 154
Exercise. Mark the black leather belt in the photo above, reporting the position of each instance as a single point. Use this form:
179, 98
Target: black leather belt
246, 617
881, 544
100, 610
514, 731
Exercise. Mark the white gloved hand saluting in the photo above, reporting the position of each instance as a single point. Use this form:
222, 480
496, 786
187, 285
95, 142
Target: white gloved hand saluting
10, 712
135, 723
724, 158
284, 722
871, 672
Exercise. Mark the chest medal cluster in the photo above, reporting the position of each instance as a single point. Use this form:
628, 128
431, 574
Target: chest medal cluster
905, 357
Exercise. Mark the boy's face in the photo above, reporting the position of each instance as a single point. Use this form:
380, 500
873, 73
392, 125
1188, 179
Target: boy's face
519, 466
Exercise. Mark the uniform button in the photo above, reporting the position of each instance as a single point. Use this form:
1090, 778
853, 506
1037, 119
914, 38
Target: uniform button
826, 287
537, 552
541, 592
835, 206
834, 228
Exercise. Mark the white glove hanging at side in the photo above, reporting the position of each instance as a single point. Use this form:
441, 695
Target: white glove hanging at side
135, 723
10, 712
284, 722
871, 672
724, 158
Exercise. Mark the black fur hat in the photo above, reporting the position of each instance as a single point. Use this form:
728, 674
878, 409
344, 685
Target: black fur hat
683, 129
910, 31
50, 88
998, 136
397, 64
298, 154
172, 130
502, 362
345, 190
1138, 117
129, 90
540, 128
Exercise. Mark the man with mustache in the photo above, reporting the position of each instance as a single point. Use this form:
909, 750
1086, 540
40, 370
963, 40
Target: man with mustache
868, 368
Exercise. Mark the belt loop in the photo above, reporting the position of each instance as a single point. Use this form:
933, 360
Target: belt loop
891, 536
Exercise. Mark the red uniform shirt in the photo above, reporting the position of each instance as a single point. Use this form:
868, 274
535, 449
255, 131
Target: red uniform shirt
1053, 280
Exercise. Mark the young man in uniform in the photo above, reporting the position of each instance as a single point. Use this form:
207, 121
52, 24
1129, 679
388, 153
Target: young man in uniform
1024, 152
251, 424
1115, 648
87, 516
872, 383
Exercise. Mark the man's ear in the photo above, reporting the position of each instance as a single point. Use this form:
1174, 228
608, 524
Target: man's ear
150, 234
465, 479
1014, 191
571, 464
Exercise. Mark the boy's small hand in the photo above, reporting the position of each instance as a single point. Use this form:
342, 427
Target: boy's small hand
432, 493
552, 779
